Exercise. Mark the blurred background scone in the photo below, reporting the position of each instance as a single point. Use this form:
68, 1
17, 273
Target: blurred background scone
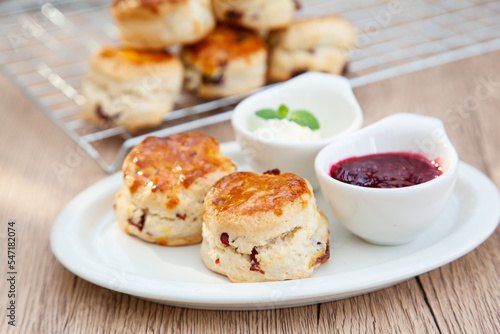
319, 44
229, 61
156, 24
132, 88
255, 14
262, 227
166, 180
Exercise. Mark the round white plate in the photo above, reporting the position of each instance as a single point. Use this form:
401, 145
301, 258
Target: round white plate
86, 239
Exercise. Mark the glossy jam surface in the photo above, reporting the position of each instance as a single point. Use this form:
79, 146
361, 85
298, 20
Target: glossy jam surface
386, 170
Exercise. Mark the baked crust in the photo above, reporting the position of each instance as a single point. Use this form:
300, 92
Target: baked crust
165, 183
156, 24
285, 64
329, 30
246, 193
255, 14
223, 45
135, 9
229, 61
125, 64
165, 165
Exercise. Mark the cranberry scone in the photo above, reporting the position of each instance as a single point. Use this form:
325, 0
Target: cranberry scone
263, 227
255, 14
166, 180
229, 61
131, 88
319, 44
156, 24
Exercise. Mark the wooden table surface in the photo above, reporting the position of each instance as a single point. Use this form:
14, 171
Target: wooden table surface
460, 297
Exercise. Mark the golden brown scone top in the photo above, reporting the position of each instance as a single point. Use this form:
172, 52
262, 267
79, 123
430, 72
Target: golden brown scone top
147, 3
167, 164
245, 193
311, 32
151, 4
136, 56
223, 45
142, 9
325, 18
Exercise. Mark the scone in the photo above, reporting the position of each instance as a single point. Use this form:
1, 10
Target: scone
319, 44
132, 88
166, 180
156, 24
263, 227
229, 61
255, 14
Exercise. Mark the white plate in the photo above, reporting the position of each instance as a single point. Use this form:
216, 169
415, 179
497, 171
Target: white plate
86, 240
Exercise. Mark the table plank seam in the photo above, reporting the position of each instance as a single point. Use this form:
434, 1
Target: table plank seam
426, 300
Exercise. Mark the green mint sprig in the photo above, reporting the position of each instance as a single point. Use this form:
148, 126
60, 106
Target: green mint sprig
301, 117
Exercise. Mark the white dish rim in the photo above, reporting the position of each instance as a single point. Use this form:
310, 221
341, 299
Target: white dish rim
271, 295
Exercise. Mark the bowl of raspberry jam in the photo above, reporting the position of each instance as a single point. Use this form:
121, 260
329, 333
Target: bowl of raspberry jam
388, 182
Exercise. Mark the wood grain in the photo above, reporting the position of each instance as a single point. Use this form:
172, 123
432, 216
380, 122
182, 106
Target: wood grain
401, 309
463, 296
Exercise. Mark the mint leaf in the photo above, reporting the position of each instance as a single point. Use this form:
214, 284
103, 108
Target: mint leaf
305, 118
283, 110
301, 117
269, 114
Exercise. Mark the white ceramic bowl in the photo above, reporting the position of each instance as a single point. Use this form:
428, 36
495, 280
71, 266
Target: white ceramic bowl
328, 97
390, 216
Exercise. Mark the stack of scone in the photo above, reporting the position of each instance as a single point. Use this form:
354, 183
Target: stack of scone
222, 64
233, 58
223, 54
181, 189
136, 86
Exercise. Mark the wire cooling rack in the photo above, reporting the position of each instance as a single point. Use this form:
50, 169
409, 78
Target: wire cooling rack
44, 47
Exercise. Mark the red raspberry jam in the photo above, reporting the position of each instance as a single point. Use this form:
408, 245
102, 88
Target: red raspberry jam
386, 170
255, 265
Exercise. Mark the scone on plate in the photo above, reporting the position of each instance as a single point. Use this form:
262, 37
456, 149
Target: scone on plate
156, 24
166, 180
229, 61
318, 44
263, 227
133, 88
255, 14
